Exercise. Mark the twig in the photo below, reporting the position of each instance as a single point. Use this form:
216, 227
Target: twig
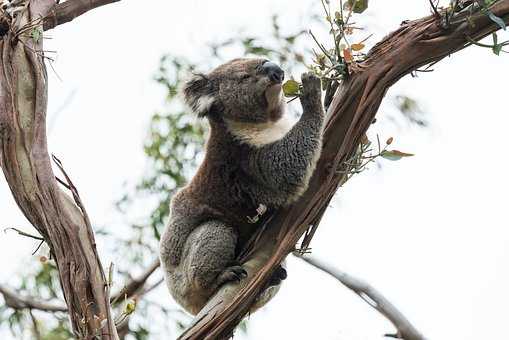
405, 330
37, 332
434, 9
152, 287
135, 285
22, 233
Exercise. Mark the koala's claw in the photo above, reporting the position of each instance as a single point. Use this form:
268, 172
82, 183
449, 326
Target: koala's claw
234, 273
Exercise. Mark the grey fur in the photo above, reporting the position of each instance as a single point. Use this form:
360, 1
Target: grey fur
209, 217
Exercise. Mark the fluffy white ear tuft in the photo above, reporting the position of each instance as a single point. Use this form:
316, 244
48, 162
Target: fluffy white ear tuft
203, 104
198, 95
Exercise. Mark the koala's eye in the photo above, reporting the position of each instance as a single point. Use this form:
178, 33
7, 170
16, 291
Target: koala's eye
245, 76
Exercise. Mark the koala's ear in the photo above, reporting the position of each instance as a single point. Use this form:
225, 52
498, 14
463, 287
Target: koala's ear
198, 94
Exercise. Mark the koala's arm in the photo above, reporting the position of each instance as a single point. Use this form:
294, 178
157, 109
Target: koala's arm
286, 163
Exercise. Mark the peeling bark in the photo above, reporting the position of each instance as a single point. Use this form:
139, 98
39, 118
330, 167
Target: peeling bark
24, 159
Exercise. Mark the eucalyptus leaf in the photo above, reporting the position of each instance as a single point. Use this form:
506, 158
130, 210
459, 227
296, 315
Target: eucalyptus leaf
291, 88
497, 49
358, 6
496, 20
394, 155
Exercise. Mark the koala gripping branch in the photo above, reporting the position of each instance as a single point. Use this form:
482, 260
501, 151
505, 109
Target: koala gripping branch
25, 161
414, 44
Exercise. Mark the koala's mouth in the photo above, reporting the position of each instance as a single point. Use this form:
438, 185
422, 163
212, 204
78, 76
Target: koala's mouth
275, 101
273, 93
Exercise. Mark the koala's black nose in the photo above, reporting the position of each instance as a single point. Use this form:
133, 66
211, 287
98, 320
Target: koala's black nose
274, 72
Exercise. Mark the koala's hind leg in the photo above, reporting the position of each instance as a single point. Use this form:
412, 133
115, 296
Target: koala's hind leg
210, 257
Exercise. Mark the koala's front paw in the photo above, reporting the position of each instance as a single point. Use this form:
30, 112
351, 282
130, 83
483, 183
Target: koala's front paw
311, 85
234, 273
311, 98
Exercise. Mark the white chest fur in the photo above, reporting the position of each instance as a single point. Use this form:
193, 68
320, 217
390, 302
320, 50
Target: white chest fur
260, 134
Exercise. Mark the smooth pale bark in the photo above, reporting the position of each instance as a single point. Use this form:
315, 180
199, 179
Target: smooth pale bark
405, 329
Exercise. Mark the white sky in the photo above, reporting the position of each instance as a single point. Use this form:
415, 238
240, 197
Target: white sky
430, 232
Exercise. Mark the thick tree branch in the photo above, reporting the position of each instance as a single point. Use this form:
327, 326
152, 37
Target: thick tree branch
414, 44
16, 301
59, 217
373, 297
70, 9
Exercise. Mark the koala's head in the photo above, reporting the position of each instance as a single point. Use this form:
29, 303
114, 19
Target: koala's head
242, 90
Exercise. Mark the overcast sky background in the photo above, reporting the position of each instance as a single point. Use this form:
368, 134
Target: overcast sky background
430, 232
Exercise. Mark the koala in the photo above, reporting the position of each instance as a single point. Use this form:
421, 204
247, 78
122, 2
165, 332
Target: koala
254, 158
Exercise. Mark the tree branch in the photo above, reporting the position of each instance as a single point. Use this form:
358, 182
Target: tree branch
15, 301
414, 44
134, 286
373, 297
131, 288
62, 220
70, 9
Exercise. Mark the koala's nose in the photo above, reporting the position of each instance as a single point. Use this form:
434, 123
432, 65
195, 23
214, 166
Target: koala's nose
274, 72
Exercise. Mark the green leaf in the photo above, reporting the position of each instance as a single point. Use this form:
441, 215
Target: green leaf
357, 6
291, 88
395, 155
496, 20
36, 34
496, 46
497, 49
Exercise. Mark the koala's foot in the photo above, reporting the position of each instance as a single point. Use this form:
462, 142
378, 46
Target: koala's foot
311, 91
279, 275
233, 273
270, 289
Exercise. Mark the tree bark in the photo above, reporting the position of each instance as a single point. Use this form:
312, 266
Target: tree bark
414, 44
61, 219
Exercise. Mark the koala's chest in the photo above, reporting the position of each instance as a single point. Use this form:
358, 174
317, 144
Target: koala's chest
233, 192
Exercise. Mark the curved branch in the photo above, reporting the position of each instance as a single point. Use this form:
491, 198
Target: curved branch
414, 44
70, 9
135, 286
373, 297
16, 301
